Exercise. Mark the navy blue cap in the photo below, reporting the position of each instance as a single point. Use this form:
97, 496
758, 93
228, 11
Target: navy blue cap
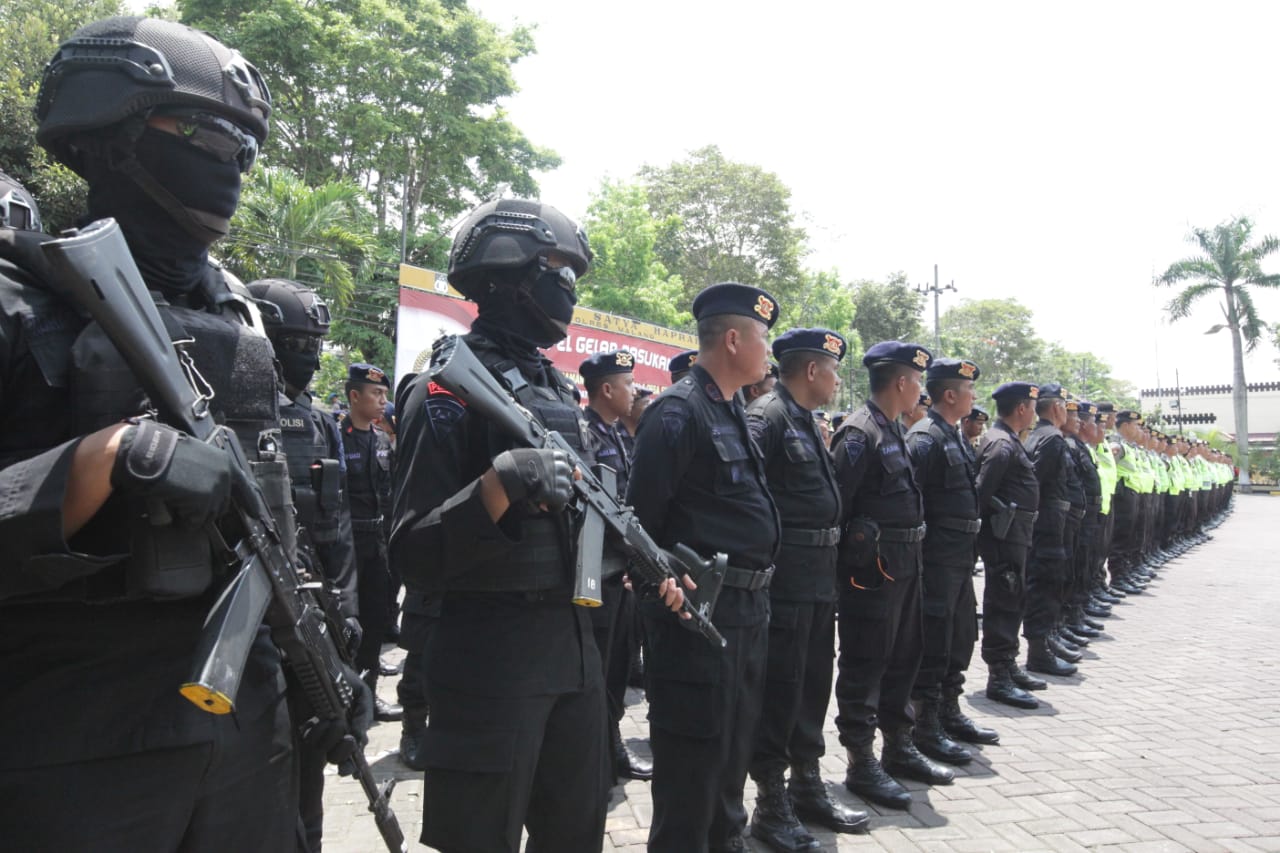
925, 400
1052, 391
389, 410
369, 374
822, 341
607, 364
1126, 415
682, 362
896, 352
1017, 391
953, 368
978, 414
1087, 409
1106, 408
733, 298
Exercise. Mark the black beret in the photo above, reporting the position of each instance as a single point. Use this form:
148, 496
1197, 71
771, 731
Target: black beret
925, 400
1016, 390
896, 352
822, 341
1052, 391
978, 414
607, 364
369, 374
953, 368
1087, 408
1106, 408
733, 298
682, 361
1124, 416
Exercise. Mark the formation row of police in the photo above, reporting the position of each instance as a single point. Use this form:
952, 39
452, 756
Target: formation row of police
99, 501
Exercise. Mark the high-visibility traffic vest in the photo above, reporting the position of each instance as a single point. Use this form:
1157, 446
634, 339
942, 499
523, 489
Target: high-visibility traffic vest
1106, 474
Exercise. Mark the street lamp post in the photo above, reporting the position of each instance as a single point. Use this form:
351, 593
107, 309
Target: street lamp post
937, 292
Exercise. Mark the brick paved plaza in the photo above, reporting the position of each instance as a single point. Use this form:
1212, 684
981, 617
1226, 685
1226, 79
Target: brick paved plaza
1168, 740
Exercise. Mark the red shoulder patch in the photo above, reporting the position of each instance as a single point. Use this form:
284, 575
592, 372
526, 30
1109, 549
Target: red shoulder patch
435, 389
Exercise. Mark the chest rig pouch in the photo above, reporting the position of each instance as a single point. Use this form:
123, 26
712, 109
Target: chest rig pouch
237, 364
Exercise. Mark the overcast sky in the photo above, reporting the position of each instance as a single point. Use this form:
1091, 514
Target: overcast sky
1056, 153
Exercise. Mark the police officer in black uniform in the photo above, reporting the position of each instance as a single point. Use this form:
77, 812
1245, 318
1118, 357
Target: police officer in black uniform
1047, 565
802, 595
1008, 493
698, 479
974, 425
608, 379
946, 470
296, 320
880, 566
102, 603
516, 737
680, 364
1072, 628
369, 462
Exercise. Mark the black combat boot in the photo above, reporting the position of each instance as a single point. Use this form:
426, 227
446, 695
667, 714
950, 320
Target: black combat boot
1041, 658
955, 723
867, 779
626, 764
383, 711
1068, 632
1000, 687
773, 821
1024, 679
930, 738
901, 758
1064, 650
814, 804
411, 737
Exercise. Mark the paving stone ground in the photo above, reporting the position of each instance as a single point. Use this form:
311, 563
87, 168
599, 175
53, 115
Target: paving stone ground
1168, 740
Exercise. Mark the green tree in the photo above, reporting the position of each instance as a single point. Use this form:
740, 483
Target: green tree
30, 33
1229, 264
887, 311
725, 221
1086, 376
997, 334
626, 276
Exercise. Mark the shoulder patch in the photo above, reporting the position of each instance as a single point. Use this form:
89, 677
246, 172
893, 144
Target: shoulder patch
855, 444
443, 413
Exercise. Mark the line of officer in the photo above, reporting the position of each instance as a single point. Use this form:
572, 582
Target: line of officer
880, 567
698, 479
370, 459
97, 598
1008, 494
946, 470
802, 595
296, 320
610, 392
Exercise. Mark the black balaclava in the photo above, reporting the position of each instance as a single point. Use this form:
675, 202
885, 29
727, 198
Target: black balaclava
529, 309
297, 367
169, 256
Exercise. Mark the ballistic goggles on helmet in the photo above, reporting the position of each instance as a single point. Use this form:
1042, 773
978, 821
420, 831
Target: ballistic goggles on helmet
17, 213
564, 276
301, 344
217, 137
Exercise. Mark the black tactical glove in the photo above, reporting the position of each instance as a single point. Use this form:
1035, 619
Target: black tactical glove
354, 632
191, 479
339, 739
539, 476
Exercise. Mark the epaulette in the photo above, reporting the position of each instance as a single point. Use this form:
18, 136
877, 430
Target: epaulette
680, 390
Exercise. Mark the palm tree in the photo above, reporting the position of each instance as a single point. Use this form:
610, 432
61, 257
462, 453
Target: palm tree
317, 235
1229, 265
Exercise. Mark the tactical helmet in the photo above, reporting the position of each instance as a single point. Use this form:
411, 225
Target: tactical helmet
290, 308
508, 234
120, 67
18, 207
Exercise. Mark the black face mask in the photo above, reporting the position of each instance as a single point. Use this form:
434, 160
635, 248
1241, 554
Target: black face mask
169, 256
537, 308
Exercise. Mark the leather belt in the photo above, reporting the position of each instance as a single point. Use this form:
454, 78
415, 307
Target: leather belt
366, 525
1060, 506
1029, 514
813, 538
902, 534
747, 579
963, 525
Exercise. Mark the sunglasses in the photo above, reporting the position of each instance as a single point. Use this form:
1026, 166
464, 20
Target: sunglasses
220, 138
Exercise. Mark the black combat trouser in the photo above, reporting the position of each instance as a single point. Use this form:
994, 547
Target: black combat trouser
1126, 540
881, 643
949, 612
415, 634
704, 707
508, 744
611, 624
373, 584
1048, 581
801, 665
236, 792
1004, 595
1082, 563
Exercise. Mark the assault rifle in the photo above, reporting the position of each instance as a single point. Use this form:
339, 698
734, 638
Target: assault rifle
96, 273
455, 368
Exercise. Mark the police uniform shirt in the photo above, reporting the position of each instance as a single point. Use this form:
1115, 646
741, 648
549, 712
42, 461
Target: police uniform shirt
802, 481
609, 448
874, 470
1005, 471
1054, 471
698, 479
125, 660
946, 471
1087, 472
368, 457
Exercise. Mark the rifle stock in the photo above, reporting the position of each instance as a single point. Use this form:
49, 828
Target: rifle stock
455, 368
95, 272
